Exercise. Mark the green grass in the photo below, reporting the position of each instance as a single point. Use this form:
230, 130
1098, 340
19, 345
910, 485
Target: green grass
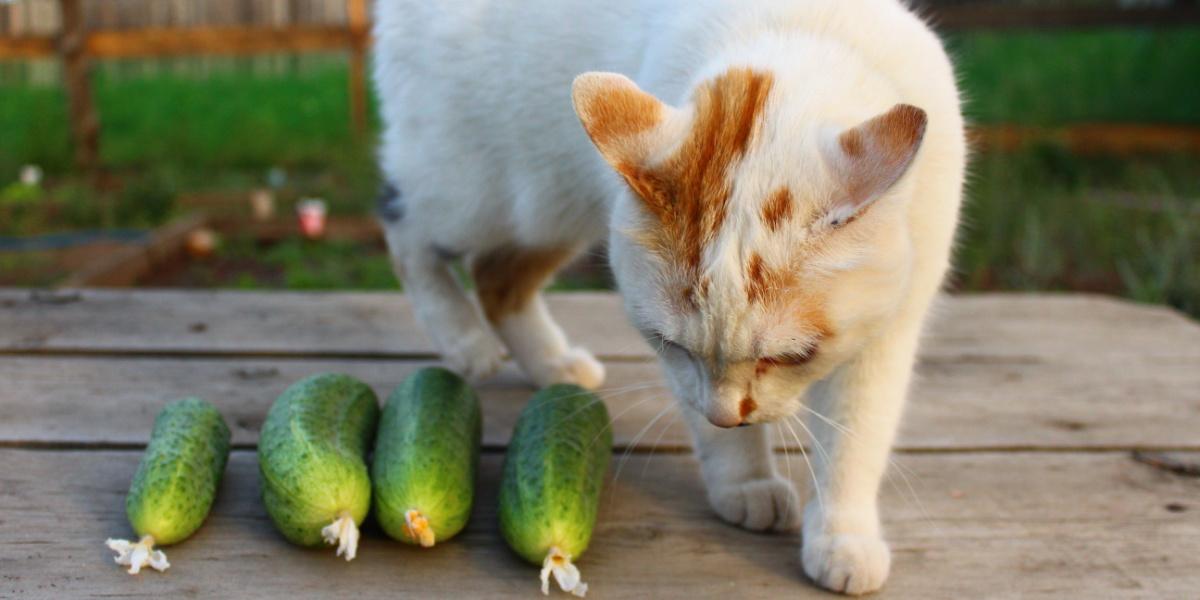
293, 263
1050, 78
1034, 220
1044, 220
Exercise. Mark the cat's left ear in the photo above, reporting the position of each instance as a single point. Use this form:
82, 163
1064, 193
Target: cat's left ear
869, 159
625, 123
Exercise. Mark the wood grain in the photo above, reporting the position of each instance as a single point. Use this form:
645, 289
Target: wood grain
1084, 329
994, 525
222, 322
966, 403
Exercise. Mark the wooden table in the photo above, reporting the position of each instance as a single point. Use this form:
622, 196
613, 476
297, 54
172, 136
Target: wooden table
1014, 475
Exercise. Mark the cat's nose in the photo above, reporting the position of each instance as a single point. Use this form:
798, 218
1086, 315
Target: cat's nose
724, 416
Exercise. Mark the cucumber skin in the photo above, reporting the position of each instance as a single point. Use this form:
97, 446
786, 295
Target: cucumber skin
177, 479
427, 454
553, 473
312, 455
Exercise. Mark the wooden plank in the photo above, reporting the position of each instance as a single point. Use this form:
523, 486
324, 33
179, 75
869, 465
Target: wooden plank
358, 22
1083, 525
206, 322
236, 40
81, 111
26, 47
966, 403
1031, 327
126, 267
1007, 16
1090, 138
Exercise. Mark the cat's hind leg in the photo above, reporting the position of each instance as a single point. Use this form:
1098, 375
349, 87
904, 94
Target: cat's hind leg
441, 305
509, 281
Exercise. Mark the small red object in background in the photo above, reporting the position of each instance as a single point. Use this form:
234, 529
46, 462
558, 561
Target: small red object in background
312, 218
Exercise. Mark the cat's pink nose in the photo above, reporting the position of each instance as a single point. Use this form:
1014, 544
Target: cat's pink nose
724, 416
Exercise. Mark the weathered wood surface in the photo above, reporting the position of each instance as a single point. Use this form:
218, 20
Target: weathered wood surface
968, 404
1017, 451
980, 525
1093, 331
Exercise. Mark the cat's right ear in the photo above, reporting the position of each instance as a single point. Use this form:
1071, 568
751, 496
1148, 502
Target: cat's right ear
625, 123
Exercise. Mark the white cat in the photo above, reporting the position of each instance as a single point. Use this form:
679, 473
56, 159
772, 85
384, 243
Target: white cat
779, 181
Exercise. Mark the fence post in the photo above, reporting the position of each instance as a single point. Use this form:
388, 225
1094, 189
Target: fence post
72, 47
356, 18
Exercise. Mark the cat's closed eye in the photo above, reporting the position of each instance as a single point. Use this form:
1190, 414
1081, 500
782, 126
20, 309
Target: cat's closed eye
664, 343
790, 359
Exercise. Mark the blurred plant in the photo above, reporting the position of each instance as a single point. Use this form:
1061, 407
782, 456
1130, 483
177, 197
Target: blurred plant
147, 200
1166, 268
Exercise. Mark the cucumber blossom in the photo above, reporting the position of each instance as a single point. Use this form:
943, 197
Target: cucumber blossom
312, 461
426, 458
553, 473
175, 483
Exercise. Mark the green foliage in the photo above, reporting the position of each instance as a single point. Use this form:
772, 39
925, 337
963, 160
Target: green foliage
330, 265
1047, 78
1041, 220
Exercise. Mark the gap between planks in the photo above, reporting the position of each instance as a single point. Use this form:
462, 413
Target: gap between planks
671, 450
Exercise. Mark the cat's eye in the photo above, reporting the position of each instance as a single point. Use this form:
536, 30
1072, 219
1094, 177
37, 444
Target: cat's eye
665, 343
791, 359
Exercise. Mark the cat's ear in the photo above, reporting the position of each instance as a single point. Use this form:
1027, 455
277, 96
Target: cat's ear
869, 159
623, 121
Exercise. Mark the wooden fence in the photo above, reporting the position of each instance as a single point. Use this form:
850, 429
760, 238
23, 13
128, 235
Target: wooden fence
81, 31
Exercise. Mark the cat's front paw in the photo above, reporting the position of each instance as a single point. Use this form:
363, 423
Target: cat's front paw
853, 564
577, 366
475, 356
768, 504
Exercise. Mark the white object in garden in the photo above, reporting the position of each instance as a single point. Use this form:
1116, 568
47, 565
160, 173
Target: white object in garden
31, 175
262, 204
276, 177
312, 212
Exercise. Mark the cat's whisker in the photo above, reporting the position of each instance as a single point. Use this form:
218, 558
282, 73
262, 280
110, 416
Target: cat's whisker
671, 423
612, 421
633, 444
812, 472
815, 440
900, 469
787, 458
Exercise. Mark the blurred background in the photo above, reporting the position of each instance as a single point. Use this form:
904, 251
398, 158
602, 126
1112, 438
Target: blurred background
229, 144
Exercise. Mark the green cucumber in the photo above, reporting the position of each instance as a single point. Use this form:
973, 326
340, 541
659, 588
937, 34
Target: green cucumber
312, 461
426, 457
175, 483
553, 472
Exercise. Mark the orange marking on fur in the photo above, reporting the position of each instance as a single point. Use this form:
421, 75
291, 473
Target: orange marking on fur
852, 143
812, 316
689, 193
614, 110
507, 278
777, 209
762, 367
747, 406
765, 283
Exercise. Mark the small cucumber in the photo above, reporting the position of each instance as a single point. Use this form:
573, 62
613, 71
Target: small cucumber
312, 461
553, 472
175, 483
426, 457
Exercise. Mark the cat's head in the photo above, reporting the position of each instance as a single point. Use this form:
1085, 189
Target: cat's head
764, 237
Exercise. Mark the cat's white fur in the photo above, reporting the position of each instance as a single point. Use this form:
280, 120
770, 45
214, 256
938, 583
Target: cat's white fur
486, 151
